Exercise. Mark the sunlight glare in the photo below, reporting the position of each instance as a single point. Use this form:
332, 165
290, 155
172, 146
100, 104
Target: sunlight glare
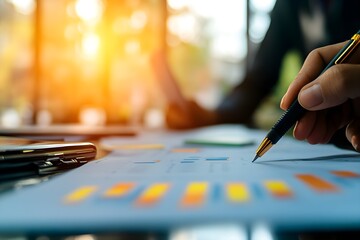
177, 4
259, 23
262, 5
90, 116
261, 232
184, 26
90, 45
210, 232
132, 47
24, 6
138, 19
89, 10
10, 118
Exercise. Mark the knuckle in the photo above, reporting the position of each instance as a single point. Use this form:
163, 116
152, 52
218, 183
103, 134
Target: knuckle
339, 84
339, 77
345, 84
314, 53
334, 86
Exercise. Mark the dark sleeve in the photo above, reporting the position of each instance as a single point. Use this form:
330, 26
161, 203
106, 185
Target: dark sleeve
339, 139
240, 104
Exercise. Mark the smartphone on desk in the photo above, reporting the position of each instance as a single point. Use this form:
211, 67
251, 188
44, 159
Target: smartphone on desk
26, 158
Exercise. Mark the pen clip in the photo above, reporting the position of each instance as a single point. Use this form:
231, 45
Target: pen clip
355, 41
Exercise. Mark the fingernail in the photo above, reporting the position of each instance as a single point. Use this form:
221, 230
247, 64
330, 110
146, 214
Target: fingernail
311, 97
354, 142
281, 102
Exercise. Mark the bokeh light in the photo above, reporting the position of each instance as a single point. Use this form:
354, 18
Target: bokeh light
24, 6
90, 45
89, 10
262, 5
138, 19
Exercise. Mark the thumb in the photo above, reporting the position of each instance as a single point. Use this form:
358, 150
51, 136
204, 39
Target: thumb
334, 87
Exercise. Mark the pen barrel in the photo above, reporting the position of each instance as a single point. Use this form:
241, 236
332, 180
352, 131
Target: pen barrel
286, 121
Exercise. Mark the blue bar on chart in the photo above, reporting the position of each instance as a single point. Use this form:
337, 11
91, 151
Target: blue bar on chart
216, 158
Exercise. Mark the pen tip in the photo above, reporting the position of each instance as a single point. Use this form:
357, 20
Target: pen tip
256, 157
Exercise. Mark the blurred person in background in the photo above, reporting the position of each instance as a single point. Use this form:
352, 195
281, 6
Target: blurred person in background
295, 25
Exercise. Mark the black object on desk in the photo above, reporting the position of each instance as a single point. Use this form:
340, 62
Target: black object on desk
21, 161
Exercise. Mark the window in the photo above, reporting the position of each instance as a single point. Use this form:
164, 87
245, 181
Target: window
87, 61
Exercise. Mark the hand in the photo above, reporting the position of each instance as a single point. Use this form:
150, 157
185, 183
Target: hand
181, 113
191, 117
333, 99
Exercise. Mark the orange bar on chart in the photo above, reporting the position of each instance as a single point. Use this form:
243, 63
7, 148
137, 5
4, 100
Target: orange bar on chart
80, 194
195, 194
237, 192
317, 183
185, 150
119, 190
278, 189
152, 194
346, 174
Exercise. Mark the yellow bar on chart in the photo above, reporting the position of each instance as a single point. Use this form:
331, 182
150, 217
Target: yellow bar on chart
278, 189
237, 192
153, 194
119, 190
80, 194
195, 194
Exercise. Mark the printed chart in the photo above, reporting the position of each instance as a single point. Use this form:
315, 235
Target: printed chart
294, 186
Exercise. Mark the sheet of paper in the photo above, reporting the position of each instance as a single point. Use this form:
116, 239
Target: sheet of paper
294, 186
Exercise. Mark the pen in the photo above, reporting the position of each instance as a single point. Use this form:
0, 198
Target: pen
296, 111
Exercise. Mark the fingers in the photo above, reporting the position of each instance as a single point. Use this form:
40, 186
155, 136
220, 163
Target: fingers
334, 87
319, 126
314, 128
353, 134
304, 128
311, 69
333, 98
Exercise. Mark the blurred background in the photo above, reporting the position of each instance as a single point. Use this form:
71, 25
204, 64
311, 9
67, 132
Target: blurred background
87, 61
